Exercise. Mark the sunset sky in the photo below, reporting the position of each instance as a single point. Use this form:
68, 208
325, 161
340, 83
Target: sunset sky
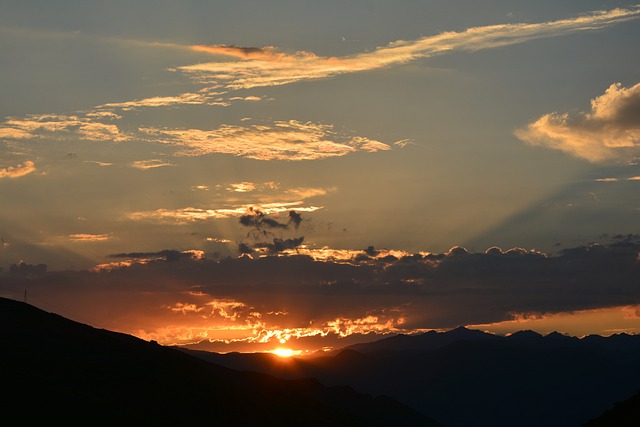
250, 175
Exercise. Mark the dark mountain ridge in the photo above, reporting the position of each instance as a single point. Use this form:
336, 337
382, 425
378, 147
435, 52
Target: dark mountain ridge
470, 378
56, 370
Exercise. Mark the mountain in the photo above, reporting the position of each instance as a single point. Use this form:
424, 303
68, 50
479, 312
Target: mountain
55, 370
470, 378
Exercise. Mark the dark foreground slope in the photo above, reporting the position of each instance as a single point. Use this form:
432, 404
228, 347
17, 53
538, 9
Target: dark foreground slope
623, 414
55, 370
467, 378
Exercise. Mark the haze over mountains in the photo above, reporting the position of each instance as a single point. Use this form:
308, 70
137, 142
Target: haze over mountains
470, 378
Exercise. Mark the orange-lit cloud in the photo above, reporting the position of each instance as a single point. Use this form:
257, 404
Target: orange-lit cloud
149, 164
59, 127
610, 131
217, 240
82, 237
242, 187
279, 140
186, 215
14, 133
17, 171
349, 256
282, 140
102, 164
208, 98
266, 66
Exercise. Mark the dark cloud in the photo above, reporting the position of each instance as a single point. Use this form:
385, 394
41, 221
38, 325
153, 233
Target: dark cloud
439, 290
168, 255
243, 248
258, 219
25, 269
295, 218
280, 245
371, 251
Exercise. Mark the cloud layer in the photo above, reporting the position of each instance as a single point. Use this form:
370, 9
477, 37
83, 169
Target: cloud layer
610, 131
183, 296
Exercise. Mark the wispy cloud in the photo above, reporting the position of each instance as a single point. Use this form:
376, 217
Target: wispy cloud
17, 171
610, 131
83, 237
204, 97
149, 164
282, 140
266, 66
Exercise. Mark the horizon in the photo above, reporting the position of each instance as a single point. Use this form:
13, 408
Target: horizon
303, 176
283, 352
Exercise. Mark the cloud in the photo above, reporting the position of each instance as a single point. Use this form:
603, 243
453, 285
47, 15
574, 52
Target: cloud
60, 127
81, 237
266, 66
295, 218
279, 245
256, 218
190, 214
307, 192
149, 164
17, 171
165, 293
24, 269
610, 131
202, 98
101, 164
165, 255
242, 187
279, 140
282, 140
14, 133
217, 240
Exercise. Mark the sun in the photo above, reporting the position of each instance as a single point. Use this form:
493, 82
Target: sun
286, 352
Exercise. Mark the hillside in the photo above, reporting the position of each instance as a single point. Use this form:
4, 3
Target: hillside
57, 370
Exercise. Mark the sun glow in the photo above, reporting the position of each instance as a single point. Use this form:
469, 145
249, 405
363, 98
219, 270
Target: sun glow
286, 352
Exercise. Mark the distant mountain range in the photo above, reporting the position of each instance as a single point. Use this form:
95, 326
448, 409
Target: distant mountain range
468, 378
56, 371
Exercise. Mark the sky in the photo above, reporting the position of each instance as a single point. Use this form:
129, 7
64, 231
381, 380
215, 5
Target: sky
250, 175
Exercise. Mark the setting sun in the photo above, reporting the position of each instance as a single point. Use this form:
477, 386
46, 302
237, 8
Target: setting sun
286, 352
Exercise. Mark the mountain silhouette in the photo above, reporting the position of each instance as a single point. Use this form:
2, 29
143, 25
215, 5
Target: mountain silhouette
468, 378
54, 370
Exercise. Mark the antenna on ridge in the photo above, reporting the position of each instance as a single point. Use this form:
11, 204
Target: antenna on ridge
25, 295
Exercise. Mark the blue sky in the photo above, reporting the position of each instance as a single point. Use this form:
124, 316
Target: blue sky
316, 129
